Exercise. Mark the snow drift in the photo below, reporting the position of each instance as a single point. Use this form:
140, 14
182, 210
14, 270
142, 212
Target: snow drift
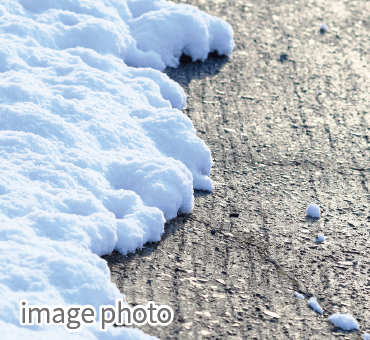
94, 154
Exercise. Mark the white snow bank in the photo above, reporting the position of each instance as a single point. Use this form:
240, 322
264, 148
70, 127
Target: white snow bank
314, 305
344, 321
13, 332
299, 296
313, 210
171, 30
145, 33
94, 154
366, 336
320, 238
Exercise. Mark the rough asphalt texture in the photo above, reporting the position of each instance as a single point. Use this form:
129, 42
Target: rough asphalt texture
277, 146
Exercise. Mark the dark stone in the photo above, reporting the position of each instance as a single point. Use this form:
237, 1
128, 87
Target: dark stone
283, 57
234, 215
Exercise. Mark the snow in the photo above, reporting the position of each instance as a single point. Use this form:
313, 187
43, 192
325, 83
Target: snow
299, 296
366, 336
314, 305
344, 321
196, 36
320, 238
313, 210
95, 155
323, 28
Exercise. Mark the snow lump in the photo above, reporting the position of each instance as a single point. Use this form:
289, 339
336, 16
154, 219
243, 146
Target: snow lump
314, 305
344, 321
320, 238
298, 295
313, 210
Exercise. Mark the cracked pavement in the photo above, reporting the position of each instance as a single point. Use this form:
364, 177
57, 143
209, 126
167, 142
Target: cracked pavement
277, 146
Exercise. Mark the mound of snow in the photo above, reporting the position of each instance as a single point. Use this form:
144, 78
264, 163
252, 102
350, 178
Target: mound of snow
177, 30
94, 154
314, 305
344, 321
313, 210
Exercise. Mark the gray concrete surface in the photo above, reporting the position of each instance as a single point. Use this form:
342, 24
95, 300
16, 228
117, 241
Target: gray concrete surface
277, 146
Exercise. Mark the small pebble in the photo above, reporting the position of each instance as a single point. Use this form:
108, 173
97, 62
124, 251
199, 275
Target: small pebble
283, 57
319, 92
191, 230
213, 231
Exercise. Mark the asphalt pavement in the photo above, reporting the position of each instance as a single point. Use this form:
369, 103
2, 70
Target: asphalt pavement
287, 120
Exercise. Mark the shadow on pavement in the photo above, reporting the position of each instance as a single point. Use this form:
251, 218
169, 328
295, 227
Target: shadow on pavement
170, 228
189, 70
201, 193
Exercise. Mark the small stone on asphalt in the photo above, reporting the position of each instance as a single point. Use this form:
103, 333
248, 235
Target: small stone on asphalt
283, 57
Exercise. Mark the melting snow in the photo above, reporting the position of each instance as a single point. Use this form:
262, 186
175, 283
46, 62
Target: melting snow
344, 321
314, 305
299, 296
320, 238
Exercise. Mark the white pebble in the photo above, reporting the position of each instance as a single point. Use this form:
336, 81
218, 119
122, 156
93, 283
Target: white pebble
191, 230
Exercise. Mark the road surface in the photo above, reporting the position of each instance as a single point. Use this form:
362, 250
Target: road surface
278, 145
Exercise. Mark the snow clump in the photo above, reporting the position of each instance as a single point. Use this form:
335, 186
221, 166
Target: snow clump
344, 321
299, 296
313, 210
314, 305
320, 238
